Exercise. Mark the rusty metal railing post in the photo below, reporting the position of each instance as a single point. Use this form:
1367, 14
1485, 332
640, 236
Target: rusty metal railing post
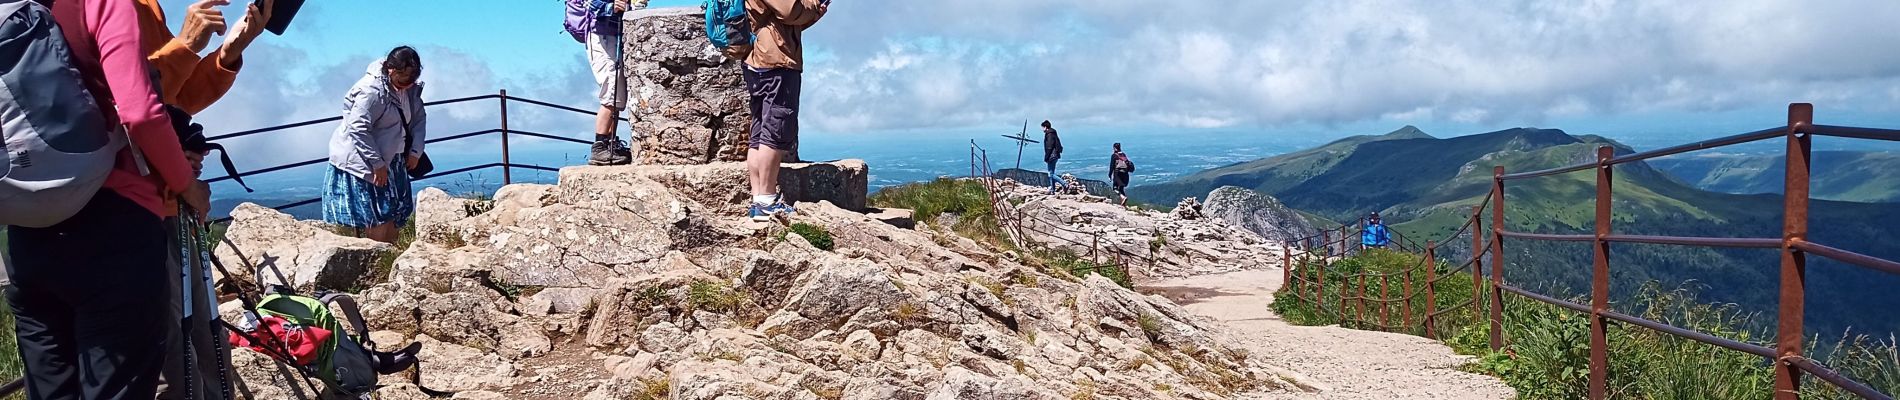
1497, 258
1286, 271
1408, 289
1431, 296
1794, 263
1600, 278
507, 166
1385, 307
1360, 312
1477, 260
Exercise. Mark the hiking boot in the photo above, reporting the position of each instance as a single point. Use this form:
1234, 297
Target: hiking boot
610, 151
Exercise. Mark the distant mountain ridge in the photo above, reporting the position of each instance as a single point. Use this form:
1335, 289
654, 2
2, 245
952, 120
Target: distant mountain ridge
1865, 177
1425, 187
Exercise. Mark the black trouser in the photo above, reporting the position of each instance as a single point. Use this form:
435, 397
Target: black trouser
89, 302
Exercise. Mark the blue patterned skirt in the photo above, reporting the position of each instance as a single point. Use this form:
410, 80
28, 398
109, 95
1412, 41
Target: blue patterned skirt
354, 202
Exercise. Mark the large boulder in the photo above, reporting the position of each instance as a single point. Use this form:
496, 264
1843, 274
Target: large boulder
722, 187
1258, 213
309, 256
689, 100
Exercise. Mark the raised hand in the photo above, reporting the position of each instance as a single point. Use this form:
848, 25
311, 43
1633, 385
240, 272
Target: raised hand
202, 19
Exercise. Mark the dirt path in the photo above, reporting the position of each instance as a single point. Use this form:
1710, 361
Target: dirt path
1341, 363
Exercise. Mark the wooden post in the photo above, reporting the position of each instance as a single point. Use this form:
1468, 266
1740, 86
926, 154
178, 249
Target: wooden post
1600, 279
1408, 282
1794, 263
1361, 310
1497, 258
1477, 261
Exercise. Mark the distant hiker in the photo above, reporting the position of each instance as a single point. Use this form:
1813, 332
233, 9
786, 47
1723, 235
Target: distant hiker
1119, 168
596, 23
188, 81
1376, 234
772, 76
1051, 152
84, 286
372, 152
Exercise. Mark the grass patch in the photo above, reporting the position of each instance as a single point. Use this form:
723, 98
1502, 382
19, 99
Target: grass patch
818, 236
967, 199
10, 365
714, 296
653, 389
1077, 266
1547, 352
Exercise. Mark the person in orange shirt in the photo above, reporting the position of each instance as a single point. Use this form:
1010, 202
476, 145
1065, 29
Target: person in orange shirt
186, 80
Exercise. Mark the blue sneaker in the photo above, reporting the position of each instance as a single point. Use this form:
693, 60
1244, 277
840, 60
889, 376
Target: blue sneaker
780, 208
758, 214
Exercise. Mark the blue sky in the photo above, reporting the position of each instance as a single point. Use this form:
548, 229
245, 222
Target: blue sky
1641, 71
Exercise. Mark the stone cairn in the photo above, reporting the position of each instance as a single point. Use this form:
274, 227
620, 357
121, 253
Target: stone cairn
688, 99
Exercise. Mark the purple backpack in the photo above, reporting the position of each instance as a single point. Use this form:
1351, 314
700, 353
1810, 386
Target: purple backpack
582, 17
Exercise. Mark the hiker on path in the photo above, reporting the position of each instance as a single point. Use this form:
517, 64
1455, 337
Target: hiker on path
1119, 168
82, 290
1051, 152
188, 81
380, 140
1376, 235
604, 58
773, 75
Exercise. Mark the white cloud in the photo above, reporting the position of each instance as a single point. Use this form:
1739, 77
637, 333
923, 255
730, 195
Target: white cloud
909, 64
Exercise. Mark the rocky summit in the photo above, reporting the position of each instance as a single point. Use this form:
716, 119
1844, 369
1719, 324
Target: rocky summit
1153, 244
642, 282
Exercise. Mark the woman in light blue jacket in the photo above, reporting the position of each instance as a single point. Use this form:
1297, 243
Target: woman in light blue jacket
380, 139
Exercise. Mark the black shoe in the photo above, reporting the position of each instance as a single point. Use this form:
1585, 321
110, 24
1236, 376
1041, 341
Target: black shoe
395, 362
609, 151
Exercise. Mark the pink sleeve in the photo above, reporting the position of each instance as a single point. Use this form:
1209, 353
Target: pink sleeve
115, 28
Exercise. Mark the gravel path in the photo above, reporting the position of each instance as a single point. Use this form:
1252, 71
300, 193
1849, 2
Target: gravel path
1339, 363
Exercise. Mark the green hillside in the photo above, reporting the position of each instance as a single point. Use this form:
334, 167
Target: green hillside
1867, 177
1425, 187
1268, 175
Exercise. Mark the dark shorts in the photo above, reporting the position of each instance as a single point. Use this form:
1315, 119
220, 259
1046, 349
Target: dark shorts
774, 102
1120, 182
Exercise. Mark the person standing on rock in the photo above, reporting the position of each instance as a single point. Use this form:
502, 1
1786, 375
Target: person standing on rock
605, 46
1376, 235
380, 139
773, 75
1119, 168
1051, 152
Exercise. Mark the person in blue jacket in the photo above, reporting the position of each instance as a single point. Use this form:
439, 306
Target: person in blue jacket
1375, 234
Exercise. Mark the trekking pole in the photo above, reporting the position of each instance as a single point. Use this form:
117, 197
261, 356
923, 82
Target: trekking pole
199, 290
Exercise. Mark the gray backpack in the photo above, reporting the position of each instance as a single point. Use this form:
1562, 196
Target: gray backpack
59, 144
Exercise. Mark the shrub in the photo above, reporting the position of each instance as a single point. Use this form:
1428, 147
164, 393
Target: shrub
817, 235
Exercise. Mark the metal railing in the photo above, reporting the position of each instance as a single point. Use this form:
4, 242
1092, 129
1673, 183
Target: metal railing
506, 165
1786, 354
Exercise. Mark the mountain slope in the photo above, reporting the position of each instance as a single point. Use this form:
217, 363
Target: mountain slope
1867, 177
1268, 175
1426, 186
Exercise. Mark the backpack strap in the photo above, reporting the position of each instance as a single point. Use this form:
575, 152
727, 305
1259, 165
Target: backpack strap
352, 313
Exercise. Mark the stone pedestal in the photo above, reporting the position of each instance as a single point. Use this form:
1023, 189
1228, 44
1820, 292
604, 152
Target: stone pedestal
689, 100
723, 185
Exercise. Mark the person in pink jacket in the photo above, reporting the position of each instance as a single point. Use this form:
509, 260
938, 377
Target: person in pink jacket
86, 292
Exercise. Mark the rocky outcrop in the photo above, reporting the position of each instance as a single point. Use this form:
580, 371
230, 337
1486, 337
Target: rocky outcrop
1258, 213
1154, 244
1041, 179
308, 255
689, 100
638, 282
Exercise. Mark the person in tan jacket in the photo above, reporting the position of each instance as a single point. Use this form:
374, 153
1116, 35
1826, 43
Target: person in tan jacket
773, 76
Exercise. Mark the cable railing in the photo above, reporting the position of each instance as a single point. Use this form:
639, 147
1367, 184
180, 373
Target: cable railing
506, 164
1306, 278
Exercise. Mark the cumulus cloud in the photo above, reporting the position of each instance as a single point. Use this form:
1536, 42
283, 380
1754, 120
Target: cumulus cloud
942, 64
